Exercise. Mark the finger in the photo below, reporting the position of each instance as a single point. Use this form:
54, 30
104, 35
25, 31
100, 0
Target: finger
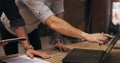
106, 41
107, 35
30, 55
103, 37
103, 42
45, 56
61, 49
64, 49
100, 44
53, 47
67, 50
41, 54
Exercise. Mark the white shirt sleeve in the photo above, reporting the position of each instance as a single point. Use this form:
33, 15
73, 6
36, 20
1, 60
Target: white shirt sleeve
39, 9
58, 6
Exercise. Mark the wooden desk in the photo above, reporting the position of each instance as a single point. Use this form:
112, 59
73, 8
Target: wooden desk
57, 56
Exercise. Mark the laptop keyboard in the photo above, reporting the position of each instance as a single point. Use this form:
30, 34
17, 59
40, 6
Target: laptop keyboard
94, 59
84, 56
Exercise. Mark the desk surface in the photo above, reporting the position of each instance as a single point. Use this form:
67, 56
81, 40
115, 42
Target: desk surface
57, 56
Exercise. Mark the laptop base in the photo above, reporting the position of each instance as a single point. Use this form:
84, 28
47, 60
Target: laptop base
84, 56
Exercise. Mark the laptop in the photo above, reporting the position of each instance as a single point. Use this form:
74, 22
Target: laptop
90, 56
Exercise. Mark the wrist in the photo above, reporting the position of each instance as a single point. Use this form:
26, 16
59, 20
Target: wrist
28, 47
58, 40
84, 35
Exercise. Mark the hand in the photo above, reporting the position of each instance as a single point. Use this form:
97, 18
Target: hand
60, 47
30, 53
100, 38
3, 43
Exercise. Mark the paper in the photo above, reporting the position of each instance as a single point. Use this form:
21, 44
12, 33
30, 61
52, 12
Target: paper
25, 59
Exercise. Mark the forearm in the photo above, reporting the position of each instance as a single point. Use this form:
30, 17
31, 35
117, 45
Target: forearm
65, 28
20, 32
60, 15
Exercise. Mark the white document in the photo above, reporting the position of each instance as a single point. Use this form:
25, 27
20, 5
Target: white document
25, 59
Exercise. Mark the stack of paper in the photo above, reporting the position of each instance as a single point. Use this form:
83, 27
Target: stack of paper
25, 59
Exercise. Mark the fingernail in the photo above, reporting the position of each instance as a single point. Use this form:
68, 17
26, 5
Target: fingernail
31, 57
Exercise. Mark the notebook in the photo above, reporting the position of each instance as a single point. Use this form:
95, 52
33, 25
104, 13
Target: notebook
90, 56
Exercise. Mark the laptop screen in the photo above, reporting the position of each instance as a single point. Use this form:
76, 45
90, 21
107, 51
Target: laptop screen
115, 20
112, 42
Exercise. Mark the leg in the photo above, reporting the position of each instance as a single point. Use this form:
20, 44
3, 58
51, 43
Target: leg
11, 48
34, 38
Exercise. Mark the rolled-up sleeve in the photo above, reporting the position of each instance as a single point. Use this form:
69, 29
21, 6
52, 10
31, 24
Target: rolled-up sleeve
58, 6
13, 15
39, 9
